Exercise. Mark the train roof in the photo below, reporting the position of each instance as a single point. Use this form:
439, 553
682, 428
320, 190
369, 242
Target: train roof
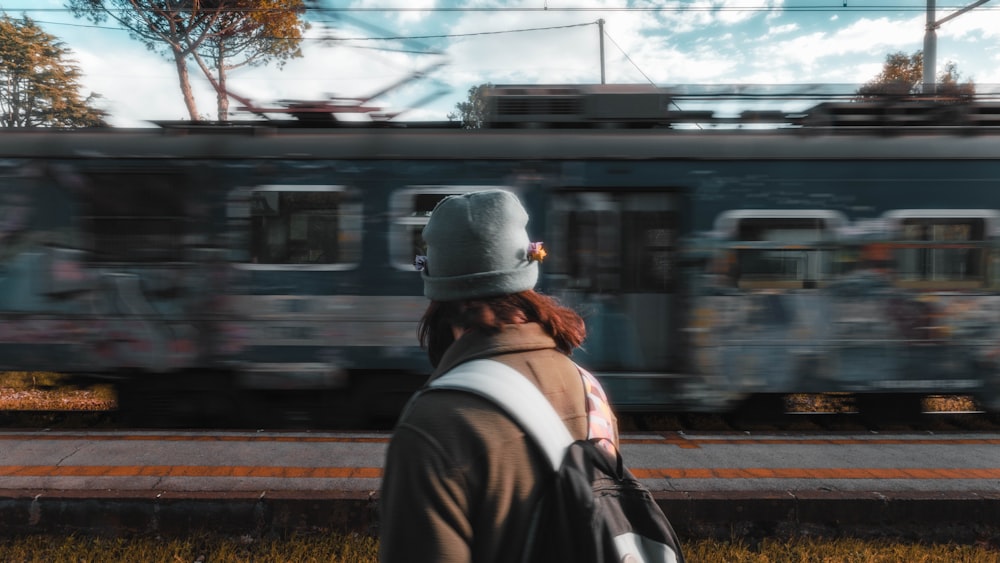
638, 105
504, 144
570, 122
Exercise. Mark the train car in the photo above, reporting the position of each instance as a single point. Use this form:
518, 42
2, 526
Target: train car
213, 271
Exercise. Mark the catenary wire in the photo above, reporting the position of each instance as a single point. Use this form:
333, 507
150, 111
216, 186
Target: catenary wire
831, 7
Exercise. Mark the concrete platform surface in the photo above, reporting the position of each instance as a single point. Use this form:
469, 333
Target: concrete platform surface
171, 482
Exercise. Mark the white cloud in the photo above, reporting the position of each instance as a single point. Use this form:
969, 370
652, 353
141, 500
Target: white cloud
726, 42
840, 56
734, 12
698, 15
782, 30
409, 11
136, 85
982, 22
560, 54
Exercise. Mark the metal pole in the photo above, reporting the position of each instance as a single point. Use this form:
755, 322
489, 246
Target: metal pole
930, 50
600, 30
930, 42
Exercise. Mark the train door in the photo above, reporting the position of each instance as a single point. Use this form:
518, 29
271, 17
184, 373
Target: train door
134, 280
295, 254
613, 258
98, 269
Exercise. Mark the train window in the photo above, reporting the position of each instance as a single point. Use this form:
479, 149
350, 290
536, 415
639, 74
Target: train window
780, 249
648, 259
411, 209
622, 242
307, 225
940, 248
135, 216
592, 256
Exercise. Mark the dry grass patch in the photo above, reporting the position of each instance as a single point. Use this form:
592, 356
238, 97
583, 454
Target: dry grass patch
31, 391
820, 402
845, 403
950, 403
837, 551
326, 548
335, 548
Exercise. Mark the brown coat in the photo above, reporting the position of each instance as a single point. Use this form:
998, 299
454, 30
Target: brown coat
461, 478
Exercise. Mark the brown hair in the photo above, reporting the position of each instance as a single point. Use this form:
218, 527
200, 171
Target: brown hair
490, 314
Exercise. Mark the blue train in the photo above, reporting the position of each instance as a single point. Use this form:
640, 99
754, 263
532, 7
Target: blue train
212, 270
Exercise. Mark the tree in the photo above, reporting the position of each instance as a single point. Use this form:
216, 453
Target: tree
219, 35
261, 32
902, 75
474, 111
948, 84
39, 83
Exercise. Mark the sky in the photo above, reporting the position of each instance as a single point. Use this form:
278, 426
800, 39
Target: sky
357, 48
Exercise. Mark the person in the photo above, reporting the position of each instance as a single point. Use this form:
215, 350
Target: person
461, 478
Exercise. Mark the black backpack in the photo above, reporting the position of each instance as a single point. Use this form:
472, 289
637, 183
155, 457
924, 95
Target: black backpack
594, 511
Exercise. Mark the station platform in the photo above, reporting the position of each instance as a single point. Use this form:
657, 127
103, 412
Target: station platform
709, 484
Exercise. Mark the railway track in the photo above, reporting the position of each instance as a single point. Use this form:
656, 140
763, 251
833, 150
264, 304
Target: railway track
33, 401
791, 422
813, 421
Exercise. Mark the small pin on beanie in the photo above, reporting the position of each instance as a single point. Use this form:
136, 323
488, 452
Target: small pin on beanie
477, 246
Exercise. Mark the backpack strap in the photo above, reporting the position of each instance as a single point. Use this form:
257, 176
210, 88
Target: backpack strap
518, 397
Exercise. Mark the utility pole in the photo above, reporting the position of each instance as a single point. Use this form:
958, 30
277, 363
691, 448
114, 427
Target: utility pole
930, 50
930, 42
600, 31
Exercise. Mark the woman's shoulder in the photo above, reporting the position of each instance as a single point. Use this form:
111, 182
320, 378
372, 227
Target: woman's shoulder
459, 423
559, 379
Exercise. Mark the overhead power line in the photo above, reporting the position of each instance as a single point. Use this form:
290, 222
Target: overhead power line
828, 7
811, 7
386, 38
629, 59
451, 35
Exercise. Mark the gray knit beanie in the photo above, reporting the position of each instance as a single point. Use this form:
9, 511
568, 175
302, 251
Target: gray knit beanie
477, 246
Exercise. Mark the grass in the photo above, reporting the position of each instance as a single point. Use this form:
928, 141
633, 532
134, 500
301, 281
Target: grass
335, 548
843, 402
327, 548
44, 391
837, 551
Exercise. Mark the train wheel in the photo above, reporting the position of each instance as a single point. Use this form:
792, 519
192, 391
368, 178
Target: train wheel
378, 399
178, 400
760, 407
890, 408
